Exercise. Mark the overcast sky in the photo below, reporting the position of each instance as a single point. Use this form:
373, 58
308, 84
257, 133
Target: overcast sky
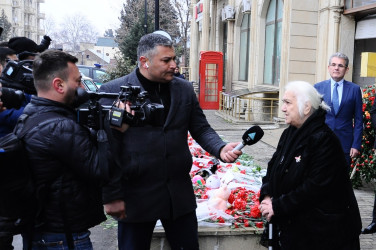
103, 14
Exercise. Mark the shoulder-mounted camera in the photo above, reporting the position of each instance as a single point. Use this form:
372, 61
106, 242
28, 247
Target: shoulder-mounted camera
145, 112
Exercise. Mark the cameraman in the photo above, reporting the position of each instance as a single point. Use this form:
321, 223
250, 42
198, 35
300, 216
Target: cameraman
8, 118
155, 159
64, 159
25, 49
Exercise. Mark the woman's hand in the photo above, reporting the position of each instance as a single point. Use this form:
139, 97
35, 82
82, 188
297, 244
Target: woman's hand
266, 208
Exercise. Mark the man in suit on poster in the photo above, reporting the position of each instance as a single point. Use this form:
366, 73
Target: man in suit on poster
345, 98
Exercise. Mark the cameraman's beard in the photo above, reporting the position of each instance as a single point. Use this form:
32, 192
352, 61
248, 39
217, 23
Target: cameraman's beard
70, 97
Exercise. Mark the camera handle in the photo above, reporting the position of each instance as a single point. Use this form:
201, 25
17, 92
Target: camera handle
103, 146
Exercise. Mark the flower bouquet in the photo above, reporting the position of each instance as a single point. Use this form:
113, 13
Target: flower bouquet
234, 201
363, 166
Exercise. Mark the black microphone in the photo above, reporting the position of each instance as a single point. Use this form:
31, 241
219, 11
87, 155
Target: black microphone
250, 137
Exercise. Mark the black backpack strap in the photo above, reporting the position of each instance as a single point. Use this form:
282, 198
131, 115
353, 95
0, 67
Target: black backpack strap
33, 121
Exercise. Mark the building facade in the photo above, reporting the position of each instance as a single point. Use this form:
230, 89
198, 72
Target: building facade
25, 17
272, 42
102, 52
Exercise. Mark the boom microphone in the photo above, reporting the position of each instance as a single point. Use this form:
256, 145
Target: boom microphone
250, 137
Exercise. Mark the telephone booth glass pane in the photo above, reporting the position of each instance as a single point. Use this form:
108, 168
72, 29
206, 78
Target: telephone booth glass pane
211, 82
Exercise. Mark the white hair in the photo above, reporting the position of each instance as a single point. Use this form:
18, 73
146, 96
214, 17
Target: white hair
306, 93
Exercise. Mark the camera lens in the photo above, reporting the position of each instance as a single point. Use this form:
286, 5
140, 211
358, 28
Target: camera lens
12, 98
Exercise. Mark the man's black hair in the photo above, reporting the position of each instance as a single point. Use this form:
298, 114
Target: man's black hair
50, 64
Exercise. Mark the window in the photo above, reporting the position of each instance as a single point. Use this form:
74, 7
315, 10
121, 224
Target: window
244, 47
224, 54
273, 32
85, 71
99, 74
90, 85
358, 3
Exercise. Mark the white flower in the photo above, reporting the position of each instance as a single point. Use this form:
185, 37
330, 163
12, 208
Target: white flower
298, 158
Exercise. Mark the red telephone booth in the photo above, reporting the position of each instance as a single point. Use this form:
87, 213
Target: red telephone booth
211, 78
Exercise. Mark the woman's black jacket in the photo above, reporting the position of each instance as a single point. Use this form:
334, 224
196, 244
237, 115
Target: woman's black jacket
311, 193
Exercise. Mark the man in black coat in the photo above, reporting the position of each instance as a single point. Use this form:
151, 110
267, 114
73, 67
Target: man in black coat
64, 158
155, 157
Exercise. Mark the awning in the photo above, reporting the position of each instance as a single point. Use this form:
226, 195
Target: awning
366, 28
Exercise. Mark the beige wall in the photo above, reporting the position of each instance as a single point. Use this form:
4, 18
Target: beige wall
311, 32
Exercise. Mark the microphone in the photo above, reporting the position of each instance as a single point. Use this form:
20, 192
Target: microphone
250, 137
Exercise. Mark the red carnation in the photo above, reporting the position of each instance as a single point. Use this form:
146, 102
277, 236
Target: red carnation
255, 212
259, 224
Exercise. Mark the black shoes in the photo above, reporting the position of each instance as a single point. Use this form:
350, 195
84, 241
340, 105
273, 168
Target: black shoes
370, 229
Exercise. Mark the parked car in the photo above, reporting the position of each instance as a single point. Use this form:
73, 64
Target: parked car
94, 72
89, 84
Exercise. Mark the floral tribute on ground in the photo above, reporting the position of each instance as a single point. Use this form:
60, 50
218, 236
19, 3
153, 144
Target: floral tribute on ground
226, 194
363, 167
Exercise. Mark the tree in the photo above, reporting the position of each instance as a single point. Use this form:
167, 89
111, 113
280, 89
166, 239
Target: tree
51, 30
132, 18
7, 27
128, 47
76, 29
182, 9
109, 33
124, 66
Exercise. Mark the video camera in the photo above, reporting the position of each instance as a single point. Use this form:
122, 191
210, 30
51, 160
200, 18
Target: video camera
16, 78
145, 112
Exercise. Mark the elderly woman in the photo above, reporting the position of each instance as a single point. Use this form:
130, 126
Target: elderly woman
306, 193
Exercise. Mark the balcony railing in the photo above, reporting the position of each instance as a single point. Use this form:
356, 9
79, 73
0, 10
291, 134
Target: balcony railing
16, 4
30, 10
41, 16
252, 107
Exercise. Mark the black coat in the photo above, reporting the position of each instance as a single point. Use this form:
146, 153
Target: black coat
64, 162
313, 201
156, 160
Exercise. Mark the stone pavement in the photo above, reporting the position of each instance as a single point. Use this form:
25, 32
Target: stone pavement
263, 150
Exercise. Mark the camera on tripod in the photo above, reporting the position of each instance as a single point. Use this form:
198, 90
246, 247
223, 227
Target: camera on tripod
145, 112
16, 78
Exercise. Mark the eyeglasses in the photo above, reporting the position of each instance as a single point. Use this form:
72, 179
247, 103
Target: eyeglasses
339, 65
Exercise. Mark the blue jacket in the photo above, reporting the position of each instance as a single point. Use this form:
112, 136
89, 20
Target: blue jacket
348, 123
9, 117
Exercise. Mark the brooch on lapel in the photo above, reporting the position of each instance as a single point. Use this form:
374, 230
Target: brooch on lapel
298, 158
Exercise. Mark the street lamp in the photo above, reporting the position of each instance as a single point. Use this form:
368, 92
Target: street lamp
146, 18
156, 22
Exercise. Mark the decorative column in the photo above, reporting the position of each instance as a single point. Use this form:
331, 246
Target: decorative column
205, 26
230, 51
193, 52
213, 30
336, 12
328, 35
